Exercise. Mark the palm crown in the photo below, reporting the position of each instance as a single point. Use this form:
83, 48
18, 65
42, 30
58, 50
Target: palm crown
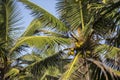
86, 30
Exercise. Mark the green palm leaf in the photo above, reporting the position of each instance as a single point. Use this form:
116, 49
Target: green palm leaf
40, 41
52, 62
102, 72
45, 17
29, 57
71, 69
9, 20
12, 72
35, 25
51, 33
107, 17
107, 51
74, 13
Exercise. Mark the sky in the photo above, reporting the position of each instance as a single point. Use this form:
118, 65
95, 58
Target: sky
48, 5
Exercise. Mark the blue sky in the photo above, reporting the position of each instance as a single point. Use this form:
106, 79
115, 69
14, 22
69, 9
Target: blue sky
48, 5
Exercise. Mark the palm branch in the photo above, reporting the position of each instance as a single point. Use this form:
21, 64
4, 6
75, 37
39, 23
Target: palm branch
44, 17
54, 62
9, 20
42, 40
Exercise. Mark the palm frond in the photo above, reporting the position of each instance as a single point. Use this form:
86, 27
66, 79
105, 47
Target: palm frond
45, 17
74, 13
51, 33
35, 25
104, 1
69, 12
114, 41
29, 58
40, 41
111, 8
71, 68
107, 51
109, 55
19, 76
51, 62
10, 17
81, 15
102, 72
108, 18
48, 77
12, 73
24, 77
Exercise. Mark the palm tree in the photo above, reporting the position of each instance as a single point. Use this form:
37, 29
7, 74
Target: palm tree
78, 34
10, 64
86, 34
97, 25
8, 21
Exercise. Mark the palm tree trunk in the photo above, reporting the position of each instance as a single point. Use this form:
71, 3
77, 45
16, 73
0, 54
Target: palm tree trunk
87, 76
83, 70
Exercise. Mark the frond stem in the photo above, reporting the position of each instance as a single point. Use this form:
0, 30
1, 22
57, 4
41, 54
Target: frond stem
81, 15
72, 65
6, 23
44, 76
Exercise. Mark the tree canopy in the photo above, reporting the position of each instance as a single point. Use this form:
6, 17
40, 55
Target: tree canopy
81, 44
